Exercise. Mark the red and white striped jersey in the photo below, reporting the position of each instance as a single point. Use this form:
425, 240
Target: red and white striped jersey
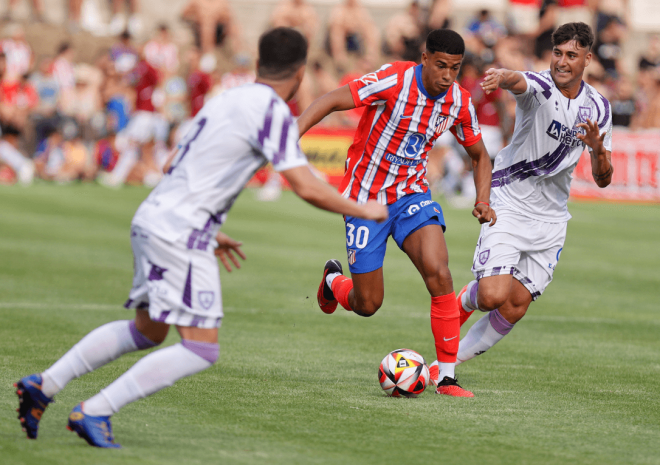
388, 157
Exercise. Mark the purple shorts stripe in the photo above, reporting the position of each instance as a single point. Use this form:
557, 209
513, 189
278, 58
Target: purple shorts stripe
187, 290
163, 316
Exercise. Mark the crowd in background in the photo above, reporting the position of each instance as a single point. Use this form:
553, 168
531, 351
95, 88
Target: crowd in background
115, 119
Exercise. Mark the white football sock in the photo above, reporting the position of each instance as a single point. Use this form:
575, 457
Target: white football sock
158, 370
12, 157
127, 160
99, 347
331, 277
446, 369
483, 335
469, 297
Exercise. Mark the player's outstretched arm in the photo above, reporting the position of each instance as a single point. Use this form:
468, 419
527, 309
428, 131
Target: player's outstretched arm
482, 178
601, 159
506, 79
311, 189
337, 100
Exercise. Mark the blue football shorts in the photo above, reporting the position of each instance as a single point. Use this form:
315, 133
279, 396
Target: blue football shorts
366, 241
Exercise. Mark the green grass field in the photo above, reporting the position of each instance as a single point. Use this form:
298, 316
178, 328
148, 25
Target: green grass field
575, 382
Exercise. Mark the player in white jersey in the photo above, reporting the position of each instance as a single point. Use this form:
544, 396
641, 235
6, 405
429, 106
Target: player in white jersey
557, 115
174, 235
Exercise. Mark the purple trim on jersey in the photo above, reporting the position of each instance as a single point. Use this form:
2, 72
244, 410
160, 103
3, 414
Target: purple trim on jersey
128, 303
597, 109
580, 91
281, 155
268, 121
187, 290
526, 169
207, 350
156, 272
163, 316
499, 323
141, 341
547, 93
473, 294
606, 104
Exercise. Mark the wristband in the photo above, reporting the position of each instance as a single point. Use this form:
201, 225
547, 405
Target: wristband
485, 203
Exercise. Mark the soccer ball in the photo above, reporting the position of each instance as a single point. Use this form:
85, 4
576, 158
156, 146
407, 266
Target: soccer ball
403, 372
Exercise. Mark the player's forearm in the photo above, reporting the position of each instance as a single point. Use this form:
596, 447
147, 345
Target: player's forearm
322, 196
337, 100
601, 168
482, 170
510, 79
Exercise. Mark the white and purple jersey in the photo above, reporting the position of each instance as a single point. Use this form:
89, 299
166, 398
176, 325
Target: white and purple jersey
231, 137
533, 173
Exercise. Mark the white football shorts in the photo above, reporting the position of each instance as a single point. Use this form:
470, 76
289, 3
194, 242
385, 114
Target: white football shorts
145, 126
178, 285
521, 246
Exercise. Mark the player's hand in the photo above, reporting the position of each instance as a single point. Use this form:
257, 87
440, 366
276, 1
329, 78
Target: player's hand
227, 245
492, 80
375, 211
592, 138
484, 214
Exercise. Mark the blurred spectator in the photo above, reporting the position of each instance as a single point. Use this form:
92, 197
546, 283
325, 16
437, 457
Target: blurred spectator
198, 82
16, 99
576, 11
64, 74
483, 34
489, 108
104, 156
623, 103
162, 53
18, 53
405, 34
119, 22
297, 14
241, 74
543, 35
607, 9
37, 10
124, 56
607, 47
86, 106
439, 15
352, 117
651, 56
45, 115
351, 29
523, 16
62, 157
213, 24
651, 117
317, 82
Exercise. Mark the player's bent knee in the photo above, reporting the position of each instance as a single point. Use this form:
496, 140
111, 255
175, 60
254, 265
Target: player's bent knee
367, 307
491, 300
209, 351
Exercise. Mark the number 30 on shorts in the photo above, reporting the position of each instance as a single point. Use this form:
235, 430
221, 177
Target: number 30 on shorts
359, 236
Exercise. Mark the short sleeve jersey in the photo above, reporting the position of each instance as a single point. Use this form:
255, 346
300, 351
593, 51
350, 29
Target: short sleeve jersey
388, 157
234, 134
533, 173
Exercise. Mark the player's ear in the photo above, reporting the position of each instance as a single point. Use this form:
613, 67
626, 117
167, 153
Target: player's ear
587, 59
425, 59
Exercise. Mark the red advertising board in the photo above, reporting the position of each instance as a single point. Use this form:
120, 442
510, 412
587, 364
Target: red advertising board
636, 163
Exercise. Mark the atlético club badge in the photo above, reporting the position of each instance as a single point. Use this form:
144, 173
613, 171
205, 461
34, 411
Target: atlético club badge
351, 257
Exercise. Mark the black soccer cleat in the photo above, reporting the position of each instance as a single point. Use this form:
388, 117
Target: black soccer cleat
324, 296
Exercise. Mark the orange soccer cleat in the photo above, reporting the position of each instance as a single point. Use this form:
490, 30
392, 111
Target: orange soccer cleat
449, 387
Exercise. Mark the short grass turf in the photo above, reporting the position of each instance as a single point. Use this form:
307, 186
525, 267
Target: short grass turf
575, 382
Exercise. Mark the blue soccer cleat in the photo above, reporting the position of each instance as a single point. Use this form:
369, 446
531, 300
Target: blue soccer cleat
32, 403
97, 431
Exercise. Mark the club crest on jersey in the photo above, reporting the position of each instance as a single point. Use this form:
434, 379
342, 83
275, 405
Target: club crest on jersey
351, 257
584, 113
206, 299
415, 145
484, 256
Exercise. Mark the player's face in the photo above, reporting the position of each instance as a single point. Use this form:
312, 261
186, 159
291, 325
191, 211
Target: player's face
568, 62
439, 71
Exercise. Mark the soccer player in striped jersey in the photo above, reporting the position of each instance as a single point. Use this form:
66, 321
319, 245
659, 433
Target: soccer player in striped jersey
175, 239
407, 107
558, 115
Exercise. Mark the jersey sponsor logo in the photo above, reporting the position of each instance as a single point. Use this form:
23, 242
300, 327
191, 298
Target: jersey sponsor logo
351, 257
206, 299
370, 78
484, 256
400, 160
565, 135
584, 113
415, 145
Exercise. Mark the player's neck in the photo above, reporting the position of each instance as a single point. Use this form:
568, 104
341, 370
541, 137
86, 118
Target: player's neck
572, 90
281, 88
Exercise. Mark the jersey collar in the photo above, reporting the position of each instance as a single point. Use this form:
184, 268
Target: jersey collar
420, 85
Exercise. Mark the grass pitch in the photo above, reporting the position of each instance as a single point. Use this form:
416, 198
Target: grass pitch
575, 382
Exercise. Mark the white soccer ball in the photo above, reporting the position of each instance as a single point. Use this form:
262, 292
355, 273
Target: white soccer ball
403, 372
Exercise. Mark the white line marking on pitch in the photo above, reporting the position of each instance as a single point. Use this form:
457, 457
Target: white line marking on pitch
46, 306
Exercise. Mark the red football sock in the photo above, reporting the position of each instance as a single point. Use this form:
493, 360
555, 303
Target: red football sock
341, 286
445, 324
463, 314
